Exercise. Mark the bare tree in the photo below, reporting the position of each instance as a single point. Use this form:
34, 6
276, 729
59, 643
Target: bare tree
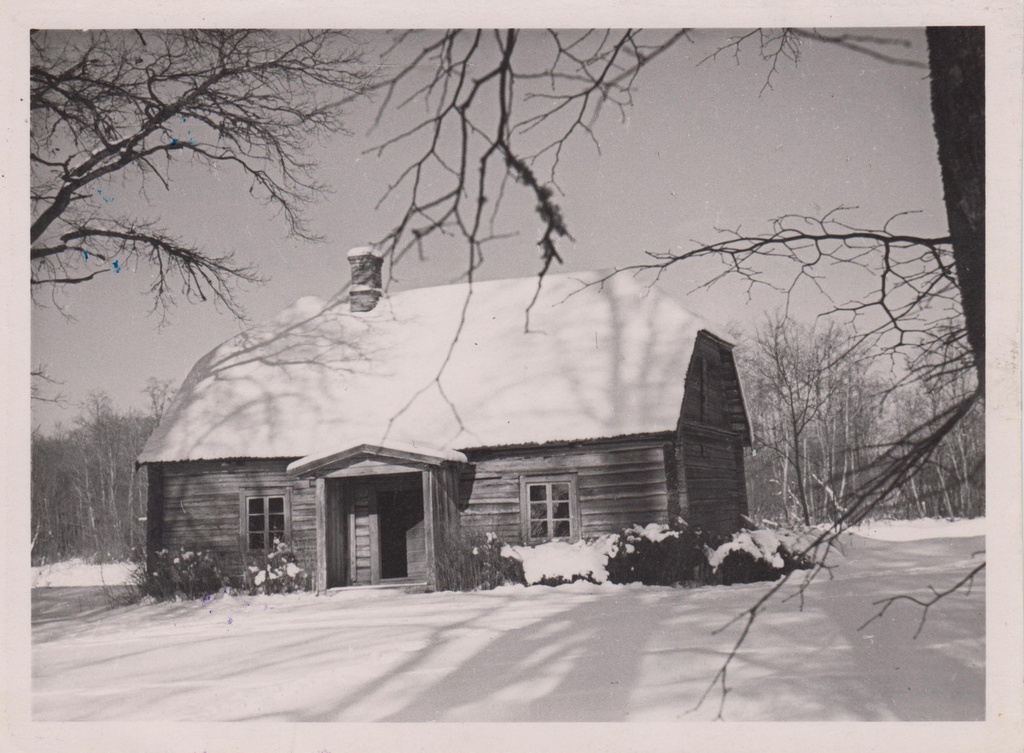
159, 392
816, 409
129, 104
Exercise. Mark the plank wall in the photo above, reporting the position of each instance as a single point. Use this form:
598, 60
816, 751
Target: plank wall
619, 483
202, 509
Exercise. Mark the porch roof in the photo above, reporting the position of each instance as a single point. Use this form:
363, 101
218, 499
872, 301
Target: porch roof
392, 452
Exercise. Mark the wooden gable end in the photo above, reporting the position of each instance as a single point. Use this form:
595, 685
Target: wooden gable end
713, 396
713, 429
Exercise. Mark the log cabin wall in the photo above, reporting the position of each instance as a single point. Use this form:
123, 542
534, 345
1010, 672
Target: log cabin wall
201, 506
619, 483
709, 446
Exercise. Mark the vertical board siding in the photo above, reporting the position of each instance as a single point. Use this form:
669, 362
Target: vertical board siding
321, 533
619, 483
201, 510
416, 552
714, 478
154, 513
707, 397
709, 448
431, 504
336, 535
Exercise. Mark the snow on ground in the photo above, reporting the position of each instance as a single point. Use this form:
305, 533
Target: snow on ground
572, 653
78, 572
922, 528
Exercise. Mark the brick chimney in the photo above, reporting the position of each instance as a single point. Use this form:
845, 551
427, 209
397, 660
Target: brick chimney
366, 263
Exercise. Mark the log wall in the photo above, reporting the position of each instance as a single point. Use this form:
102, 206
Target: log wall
619, 483
202, 510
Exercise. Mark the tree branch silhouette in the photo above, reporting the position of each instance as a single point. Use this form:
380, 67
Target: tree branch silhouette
125, 104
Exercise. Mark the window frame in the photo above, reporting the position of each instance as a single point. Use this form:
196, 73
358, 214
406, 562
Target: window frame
265, 493
525, 481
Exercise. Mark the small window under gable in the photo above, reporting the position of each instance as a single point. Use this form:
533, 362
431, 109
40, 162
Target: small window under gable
549, 509
266, 518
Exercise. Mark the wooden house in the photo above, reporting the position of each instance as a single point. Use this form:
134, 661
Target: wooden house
361, 428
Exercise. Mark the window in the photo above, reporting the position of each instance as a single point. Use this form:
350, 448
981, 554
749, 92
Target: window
266, 516
549, 511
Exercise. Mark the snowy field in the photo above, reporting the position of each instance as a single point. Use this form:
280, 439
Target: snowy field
572, 653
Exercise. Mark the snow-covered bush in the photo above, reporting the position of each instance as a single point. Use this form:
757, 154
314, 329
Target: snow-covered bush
758, 555
467, 561
655, 555
558, 562
185, 574
279, 573
659, 555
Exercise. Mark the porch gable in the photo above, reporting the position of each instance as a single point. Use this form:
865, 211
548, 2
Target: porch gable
372, 464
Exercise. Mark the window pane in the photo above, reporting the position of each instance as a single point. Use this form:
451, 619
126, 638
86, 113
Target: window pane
539, 529
255, 522
256, 505
539, 512
276, 504
560, 491
256, 541
561, 510
561, 529
538, 492
276, 523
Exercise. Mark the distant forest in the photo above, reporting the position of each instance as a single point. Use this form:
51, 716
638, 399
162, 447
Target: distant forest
88, 497
821, 410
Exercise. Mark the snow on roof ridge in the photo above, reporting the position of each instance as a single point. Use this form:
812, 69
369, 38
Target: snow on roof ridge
601, 277
553, 276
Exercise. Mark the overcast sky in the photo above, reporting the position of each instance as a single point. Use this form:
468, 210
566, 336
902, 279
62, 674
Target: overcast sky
702, 147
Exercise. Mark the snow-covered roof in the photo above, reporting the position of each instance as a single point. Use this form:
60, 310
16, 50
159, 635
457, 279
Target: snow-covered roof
451, 367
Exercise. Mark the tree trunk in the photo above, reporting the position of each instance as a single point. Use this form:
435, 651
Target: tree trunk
956, 55
799, 471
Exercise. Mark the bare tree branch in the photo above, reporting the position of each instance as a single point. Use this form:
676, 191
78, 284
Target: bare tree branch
499, 105
41, 379
965, 582
129, 104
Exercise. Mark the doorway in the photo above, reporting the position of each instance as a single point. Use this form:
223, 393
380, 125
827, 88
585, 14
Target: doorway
402, 542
